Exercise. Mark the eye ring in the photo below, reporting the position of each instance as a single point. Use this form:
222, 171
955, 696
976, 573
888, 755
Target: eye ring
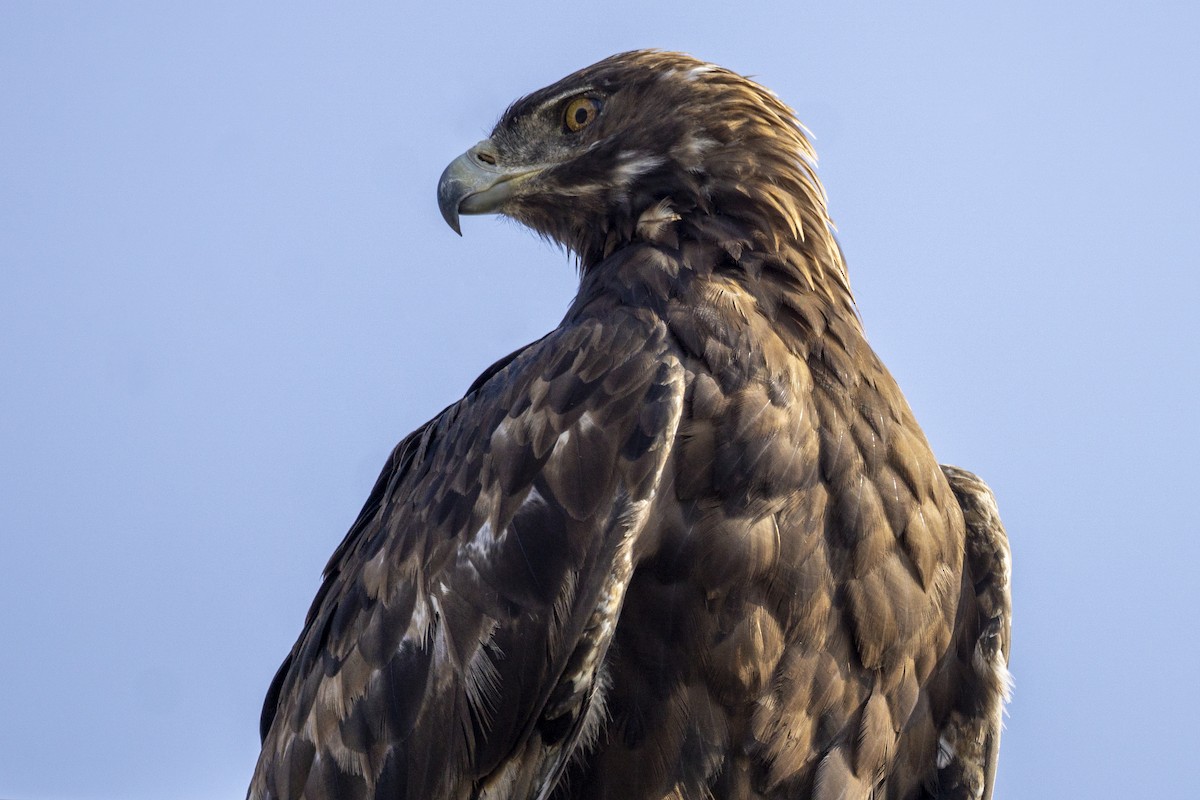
579, 113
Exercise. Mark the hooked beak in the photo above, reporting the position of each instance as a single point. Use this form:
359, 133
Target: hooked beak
475, 183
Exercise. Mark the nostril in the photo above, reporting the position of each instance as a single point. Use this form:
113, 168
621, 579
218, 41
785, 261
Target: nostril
486, 157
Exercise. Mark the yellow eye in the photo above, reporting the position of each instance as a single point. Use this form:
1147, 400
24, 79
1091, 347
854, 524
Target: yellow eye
580, 113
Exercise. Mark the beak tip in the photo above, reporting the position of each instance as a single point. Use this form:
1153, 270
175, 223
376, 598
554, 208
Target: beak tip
449, 194
450, 213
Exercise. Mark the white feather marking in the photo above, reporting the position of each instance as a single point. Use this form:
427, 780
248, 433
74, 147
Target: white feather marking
330, 695
421, 622
533, 498
945, 752
696, 146
482, 678
562, 607
479, 546
654, 220
632, 516
1007, 682
634, 165
596, 714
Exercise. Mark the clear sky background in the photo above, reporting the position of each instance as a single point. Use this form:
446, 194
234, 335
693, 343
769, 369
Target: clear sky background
226, 292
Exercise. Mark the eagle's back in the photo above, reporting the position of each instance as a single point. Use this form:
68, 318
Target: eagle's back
788, 631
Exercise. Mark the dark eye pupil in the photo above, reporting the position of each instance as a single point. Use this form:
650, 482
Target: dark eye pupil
581, 116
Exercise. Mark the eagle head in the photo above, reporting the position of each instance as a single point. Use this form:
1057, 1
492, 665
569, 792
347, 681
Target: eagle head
581, 161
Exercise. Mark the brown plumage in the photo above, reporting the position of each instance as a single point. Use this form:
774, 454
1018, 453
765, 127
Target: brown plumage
690, 544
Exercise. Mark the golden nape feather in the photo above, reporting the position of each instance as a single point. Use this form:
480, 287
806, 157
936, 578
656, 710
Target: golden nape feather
690, 544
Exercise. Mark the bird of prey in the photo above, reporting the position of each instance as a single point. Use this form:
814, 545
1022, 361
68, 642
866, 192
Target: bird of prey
691, 543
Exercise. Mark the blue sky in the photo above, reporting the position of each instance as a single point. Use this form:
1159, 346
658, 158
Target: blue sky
226, 292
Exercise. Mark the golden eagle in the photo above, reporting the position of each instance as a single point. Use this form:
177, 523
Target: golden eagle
691, 543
